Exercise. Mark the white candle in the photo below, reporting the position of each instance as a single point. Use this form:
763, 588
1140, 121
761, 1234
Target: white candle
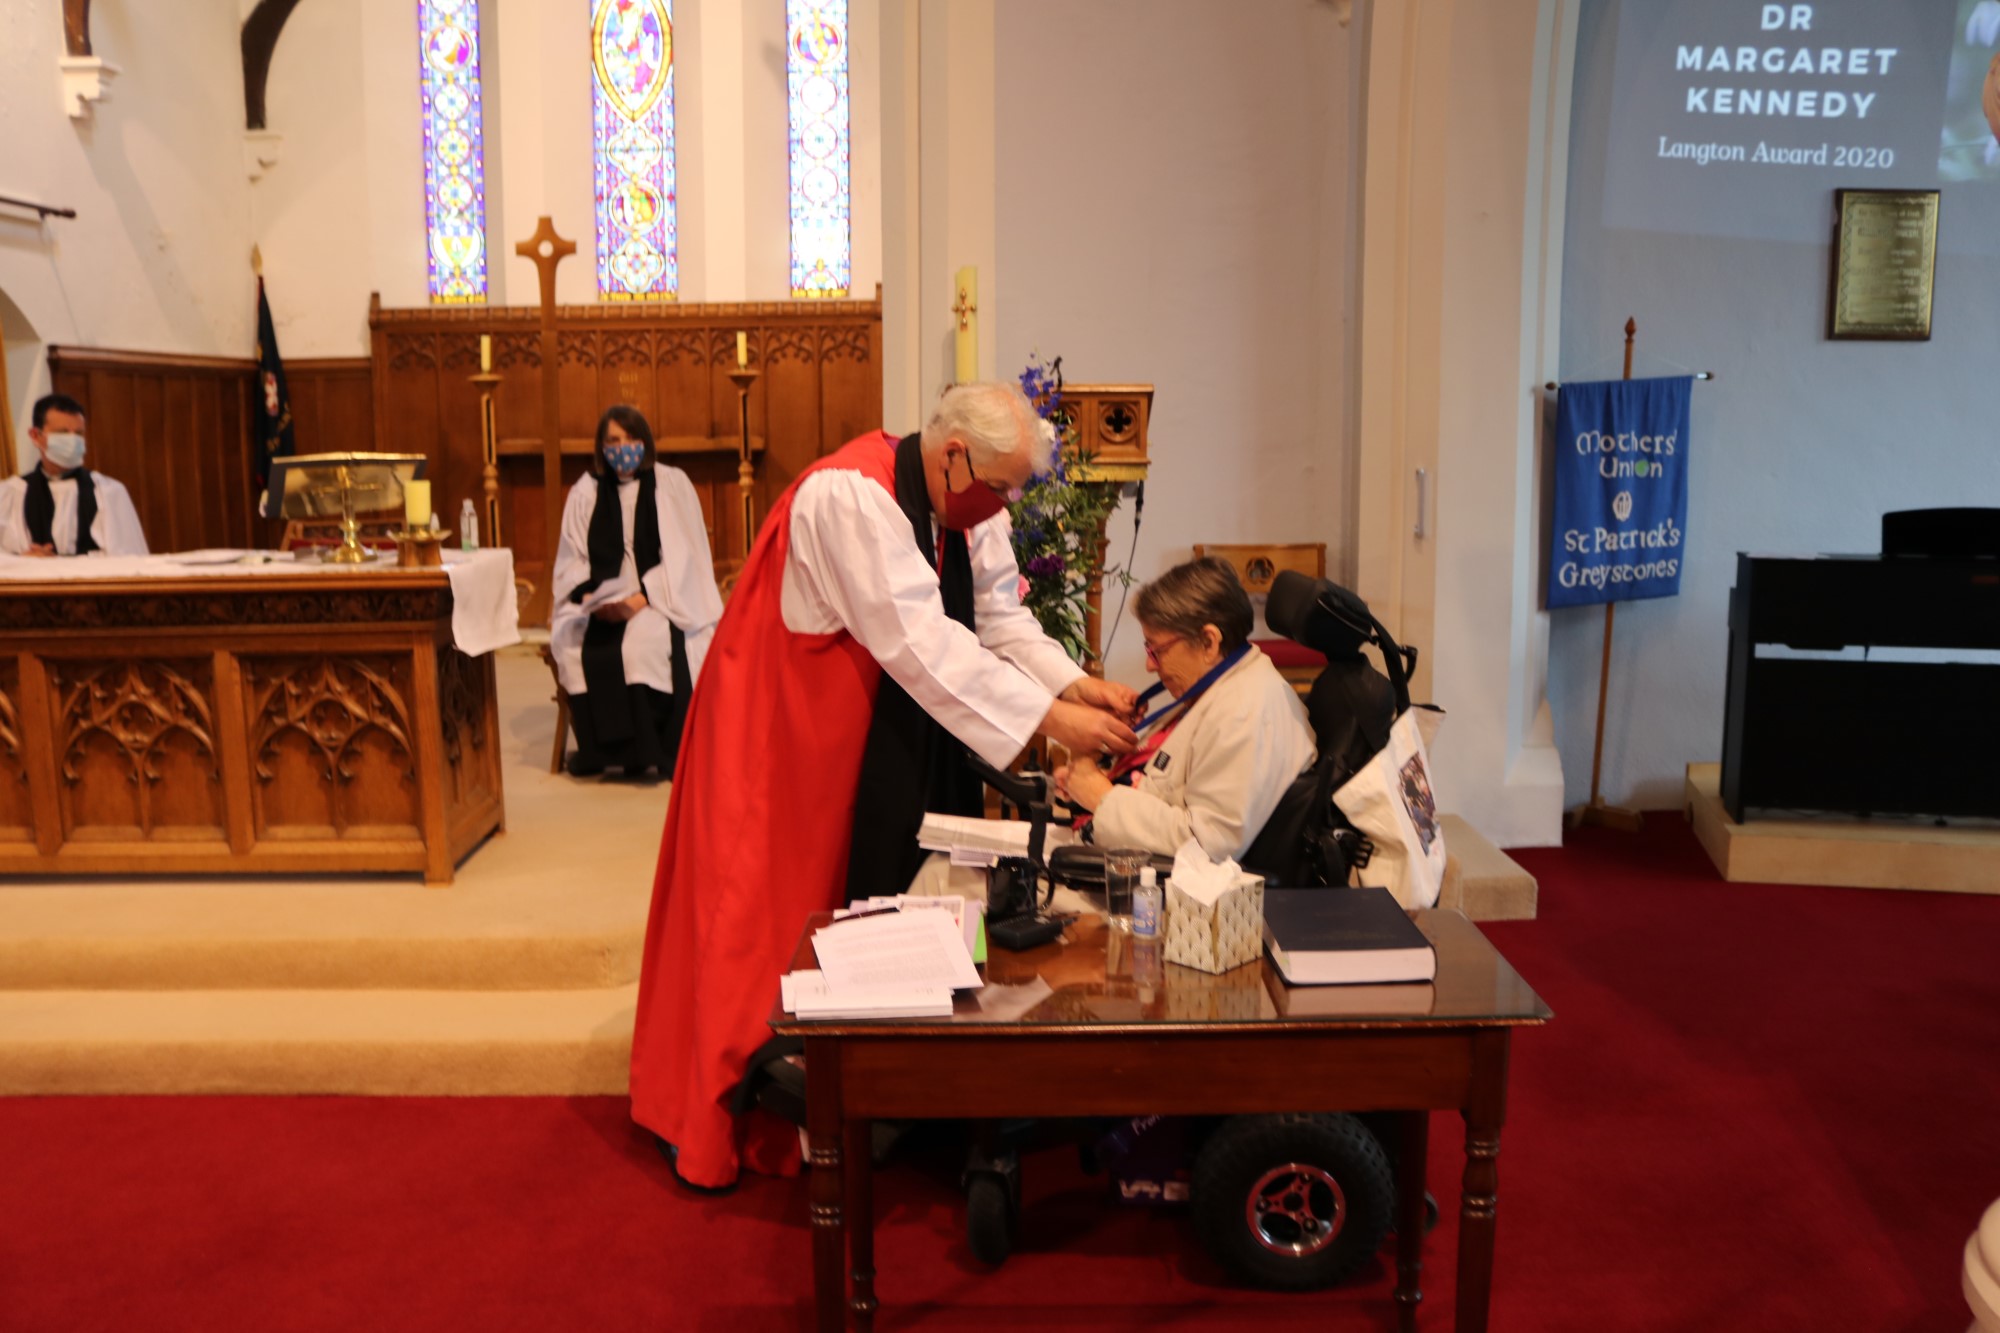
742, 350
485, 352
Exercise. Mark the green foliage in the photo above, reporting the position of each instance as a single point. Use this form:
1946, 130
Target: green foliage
1056, 525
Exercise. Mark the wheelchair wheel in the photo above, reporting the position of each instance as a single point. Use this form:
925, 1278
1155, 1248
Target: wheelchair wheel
1292, 1202
989, 1217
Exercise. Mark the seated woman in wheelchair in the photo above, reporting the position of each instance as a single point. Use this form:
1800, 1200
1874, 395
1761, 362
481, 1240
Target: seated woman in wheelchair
1215, 755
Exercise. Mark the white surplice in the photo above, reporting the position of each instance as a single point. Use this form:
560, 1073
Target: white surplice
680, 590
854, 565
116, 531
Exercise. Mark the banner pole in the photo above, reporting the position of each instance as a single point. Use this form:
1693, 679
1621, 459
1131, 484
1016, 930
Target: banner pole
1597, 813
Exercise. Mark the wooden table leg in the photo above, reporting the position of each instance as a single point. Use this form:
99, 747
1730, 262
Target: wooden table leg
826, 1129
858, 1172
1479, 1197
1411, 1160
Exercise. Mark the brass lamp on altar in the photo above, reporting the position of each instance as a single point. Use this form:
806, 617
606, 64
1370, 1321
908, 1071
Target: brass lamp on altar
321, 486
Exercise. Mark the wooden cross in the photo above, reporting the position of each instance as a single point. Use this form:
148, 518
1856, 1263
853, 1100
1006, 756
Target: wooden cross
547, 250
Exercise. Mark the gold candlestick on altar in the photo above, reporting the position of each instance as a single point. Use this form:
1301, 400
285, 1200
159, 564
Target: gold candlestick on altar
743, 377
489, 448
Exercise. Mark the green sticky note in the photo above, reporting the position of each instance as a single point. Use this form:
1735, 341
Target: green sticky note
979, 945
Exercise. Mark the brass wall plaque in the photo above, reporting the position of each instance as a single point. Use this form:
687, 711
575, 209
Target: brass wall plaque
1884, 263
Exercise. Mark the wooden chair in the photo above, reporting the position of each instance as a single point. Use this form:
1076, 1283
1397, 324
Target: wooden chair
1257, 566
562, 712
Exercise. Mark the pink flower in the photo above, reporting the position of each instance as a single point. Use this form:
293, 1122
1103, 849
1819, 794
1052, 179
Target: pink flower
1021, 592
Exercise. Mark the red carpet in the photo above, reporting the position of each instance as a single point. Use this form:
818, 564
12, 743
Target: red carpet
1758, 1108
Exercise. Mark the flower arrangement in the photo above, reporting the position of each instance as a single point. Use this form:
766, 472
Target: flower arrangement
1057, 521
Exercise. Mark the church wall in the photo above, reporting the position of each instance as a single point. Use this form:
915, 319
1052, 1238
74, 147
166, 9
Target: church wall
161, 176
1798, 446
1172, 207
157, 257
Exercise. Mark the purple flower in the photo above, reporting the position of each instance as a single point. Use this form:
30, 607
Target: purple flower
1045, 566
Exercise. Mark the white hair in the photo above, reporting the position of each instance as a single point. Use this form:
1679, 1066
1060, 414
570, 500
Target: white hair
996, 421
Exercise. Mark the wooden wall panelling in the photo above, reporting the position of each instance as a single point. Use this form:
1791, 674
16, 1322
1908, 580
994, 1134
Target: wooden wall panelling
822, 386
333, 408
176, 431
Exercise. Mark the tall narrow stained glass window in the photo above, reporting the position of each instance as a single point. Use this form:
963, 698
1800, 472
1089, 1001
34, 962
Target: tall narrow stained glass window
632, 112
816, 84
454, 150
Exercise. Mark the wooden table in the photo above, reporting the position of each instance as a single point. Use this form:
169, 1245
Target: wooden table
1193, 1044
283, 722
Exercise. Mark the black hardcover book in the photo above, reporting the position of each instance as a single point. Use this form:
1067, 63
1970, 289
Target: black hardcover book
1321, 937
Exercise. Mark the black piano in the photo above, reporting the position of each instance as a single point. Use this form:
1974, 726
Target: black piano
1861, 735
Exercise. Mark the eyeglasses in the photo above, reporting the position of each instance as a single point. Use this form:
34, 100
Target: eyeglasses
1011, 494
1154, 651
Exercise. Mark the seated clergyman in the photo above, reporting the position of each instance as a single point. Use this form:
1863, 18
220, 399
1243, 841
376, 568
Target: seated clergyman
635, 601
61, 507
1212, 762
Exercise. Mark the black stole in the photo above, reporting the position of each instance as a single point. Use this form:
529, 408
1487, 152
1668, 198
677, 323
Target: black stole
604, 640
38, 508
911, 764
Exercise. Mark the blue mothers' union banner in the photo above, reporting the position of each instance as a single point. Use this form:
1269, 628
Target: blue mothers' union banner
1621, 451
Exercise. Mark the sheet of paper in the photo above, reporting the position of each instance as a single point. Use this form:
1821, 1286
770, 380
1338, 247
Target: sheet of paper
895, 951
805, 994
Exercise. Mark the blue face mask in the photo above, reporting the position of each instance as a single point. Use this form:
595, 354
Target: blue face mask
625, 458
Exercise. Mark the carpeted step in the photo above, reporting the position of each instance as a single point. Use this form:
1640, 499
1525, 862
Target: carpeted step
1480, 880
377, 1043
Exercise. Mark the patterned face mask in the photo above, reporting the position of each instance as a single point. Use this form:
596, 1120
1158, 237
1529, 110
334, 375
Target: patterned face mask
625, 458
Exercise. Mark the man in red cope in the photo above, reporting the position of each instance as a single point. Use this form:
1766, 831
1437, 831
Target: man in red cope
875, 634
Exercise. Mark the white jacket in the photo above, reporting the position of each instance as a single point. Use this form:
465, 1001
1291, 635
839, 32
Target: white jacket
1218, 776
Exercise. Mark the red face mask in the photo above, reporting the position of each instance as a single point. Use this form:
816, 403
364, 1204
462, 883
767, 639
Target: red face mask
972, 506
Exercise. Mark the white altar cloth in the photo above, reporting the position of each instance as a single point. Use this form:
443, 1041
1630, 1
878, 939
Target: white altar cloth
484, 613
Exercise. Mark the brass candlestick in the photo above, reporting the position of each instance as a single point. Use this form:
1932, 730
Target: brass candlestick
743, 377
489, 445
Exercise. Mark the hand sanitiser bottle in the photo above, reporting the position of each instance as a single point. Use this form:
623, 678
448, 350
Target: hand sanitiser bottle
1146, 904
468, 527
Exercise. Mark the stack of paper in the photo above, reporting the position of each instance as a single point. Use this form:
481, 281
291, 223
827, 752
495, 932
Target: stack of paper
992, 838
806, 995
887, 964
966, 916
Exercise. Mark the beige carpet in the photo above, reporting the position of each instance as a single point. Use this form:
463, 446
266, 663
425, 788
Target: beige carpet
517, 978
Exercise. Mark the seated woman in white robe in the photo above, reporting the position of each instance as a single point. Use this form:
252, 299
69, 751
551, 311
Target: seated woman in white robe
61, 507
635, 602
1212, 762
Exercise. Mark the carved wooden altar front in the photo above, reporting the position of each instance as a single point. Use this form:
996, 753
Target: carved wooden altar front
311, 723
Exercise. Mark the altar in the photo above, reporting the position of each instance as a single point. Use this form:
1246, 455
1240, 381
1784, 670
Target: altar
240, 712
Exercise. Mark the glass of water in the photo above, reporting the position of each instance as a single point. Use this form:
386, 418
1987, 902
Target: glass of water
1121, 876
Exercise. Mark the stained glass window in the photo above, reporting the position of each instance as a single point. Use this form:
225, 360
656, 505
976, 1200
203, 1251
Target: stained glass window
632, 111
816, 84
454, 150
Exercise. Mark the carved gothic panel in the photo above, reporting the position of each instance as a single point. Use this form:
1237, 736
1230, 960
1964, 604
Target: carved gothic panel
461, 353
844, 342
622, 348
17, 815
462, 712
409, 351
689, 343
800, 344
135, 745
576, 349
330, 745
516, 349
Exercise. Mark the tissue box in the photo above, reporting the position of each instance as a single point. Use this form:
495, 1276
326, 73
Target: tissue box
1236, 994
1216, 938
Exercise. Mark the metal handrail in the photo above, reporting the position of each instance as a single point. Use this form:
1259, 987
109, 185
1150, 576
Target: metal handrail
45, 210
